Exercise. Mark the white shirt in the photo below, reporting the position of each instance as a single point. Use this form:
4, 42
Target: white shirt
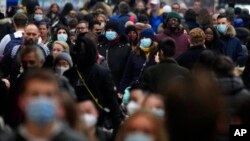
6, 39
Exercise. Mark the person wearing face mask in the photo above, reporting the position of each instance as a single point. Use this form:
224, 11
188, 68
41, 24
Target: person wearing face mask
232, 46
38, 15
39, 102
142, 126
132, 35
141, 58
113, 47
89, 116
62, 63
155, 104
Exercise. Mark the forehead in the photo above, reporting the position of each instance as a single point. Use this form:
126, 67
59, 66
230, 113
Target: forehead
31, 29
82, 24
61, 30
222, 20
29, 56
38, 11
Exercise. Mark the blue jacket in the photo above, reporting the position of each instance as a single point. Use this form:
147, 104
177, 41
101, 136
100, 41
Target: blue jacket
232, 46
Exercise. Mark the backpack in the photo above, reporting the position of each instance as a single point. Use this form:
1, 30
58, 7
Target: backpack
12, 43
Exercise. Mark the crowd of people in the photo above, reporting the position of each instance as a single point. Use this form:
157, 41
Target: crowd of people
142, 70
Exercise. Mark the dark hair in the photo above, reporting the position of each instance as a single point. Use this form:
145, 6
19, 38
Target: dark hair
46, 76
190, 15
20, 20
92, 23
61, 27
168, 47
143, 18
90, 50
223, 66
123, 8
54, 4
66, 9
223, 16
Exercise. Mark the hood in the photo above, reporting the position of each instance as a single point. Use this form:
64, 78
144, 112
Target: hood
230, 84
231, 31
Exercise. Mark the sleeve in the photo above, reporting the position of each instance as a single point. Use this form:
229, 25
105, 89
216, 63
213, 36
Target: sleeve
115, 111
146, 79
3, 43
239, 51
127, 75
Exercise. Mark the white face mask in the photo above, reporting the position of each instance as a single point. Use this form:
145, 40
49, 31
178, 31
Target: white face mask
89, 120
61, 70
158, 112
132, 107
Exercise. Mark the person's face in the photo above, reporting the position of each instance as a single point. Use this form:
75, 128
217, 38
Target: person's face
39, 12
100, 19
209, 35
63, 63
97, 28
54, 9
37, 88
137, 96
140, 6
31, 34
61, 31
132, 35
223, 21
173, 23
31, 61
82, 28
43, 30
176, 8
214, 18
197, 6
154, 102
141, 124
87, 107
153, 6
57, 49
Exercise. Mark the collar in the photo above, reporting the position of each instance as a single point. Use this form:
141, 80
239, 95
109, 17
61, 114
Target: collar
115, 41
196, 47
168, 60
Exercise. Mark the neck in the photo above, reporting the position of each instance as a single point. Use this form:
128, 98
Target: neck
19, 29
44, 39
92, 133
36, 131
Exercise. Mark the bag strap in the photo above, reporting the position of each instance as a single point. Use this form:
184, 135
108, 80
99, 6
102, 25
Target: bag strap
90, 93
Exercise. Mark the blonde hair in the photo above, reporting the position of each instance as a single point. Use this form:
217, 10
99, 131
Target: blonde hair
63, 44
159, 131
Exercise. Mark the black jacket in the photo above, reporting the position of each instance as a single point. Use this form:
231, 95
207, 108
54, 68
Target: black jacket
99, 82
190, 57
116, 56
157, 77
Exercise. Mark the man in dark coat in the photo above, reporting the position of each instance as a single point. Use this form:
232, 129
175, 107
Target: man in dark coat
157, 77
190, 57
172, 29
115, 50
232, 46
91, 79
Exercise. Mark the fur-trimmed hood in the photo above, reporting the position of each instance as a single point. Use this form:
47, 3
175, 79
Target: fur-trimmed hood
231, 31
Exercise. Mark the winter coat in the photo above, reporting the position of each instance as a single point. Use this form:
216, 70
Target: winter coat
232, 46
180, 38
190, 57
116, 56
158, 76
134, 68
99, 82
235, 92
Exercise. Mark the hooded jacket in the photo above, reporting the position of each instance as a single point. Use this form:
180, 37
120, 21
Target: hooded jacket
180, 38
232, 46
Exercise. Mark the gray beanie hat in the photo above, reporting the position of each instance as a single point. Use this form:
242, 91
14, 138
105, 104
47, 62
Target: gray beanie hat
64, 56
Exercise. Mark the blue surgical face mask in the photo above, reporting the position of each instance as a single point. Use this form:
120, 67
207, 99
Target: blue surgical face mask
145, 43
38, 17
137, 136
62, 37
110, 35
222, 28
41, 111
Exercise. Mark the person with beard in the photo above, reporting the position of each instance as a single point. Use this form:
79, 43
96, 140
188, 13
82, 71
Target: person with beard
9, 64
90, 79
173, 29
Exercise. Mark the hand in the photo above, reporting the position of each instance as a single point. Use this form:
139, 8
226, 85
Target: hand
7, 82
120, 95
